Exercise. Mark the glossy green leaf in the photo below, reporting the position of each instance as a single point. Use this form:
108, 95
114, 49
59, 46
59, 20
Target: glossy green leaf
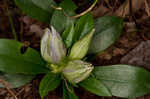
83, 26
68, 92
12, 61
68, 35
108, 29
49, 83
124, 80
60, 19
38, 9
95, 86
15, 80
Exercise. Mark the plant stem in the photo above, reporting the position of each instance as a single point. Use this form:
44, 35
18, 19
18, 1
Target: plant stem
11, 22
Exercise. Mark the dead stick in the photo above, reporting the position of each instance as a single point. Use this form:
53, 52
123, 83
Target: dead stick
86, 11
78, 15
8, 88
147, 9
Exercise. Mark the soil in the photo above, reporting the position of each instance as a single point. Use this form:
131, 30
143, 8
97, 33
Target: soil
136, 14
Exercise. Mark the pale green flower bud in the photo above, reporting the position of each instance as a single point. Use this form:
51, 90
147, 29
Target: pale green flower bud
52, 46
80, 48
77, 71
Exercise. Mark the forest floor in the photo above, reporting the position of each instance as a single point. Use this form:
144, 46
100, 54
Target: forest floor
135, 35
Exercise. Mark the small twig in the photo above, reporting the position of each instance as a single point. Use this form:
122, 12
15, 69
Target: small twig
60, 9
20, 91
107, 2
8, 88
78, 15
57, 8
124, 8
86, 11
147, 8
11, 21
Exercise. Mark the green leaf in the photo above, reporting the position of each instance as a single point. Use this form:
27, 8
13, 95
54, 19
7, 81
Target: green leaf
49, 83
12, 61
83, 26
108, 29
39, 9
15, 80
68, 35
60, 19
124, 80
95, 86
68, 92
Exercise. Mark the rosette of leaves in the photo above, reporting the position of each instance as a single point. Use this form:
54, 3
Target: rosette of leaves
65, 64
64, 59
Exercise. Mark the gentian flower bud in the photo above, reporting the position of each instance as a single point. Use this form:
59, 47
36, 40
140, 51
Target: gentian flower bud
52, 46
80, 48
77, 71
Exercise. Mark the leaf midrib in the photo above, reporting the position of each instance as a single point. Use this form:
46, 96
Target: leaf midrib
132, 81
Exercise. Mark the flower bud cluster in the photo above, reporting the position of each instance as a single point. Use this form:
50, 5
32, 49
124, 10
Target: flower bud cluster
54, 53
